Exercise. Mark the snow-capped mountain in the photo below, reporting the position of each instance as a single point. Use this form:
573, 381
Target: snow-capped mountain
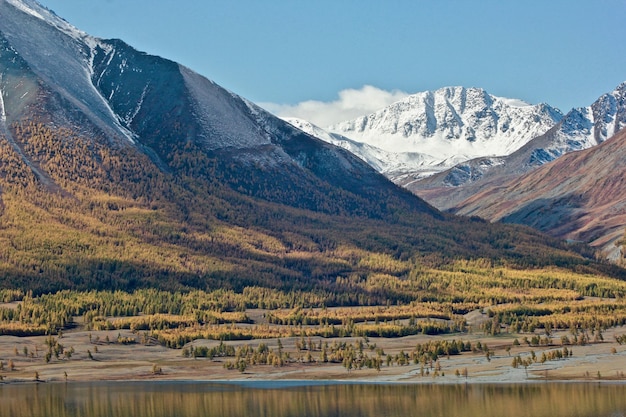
581, 128
451, 125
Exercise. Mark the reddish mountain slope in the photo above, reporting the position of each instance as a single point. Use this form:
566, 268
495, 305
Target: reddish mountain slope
580, 196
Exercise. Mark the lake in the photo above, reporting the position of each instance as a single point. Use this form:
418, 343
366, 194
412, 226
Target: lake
282, 399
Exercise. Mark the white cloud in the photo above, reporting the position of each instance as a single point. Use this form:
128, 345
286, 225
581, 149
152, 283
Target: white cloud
351, 104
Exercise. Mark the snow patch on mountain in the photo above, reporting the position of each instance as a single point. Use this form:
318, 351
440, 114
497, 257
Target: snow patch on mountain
514, 102
392, 164
471, 170
452, 124
586, 127
35, 9
27, 7
3, 114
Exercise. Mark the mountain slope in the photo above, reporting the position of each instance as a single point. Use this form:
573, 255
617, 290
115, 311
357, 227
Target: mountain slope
158, 106
580, 196
581, 128
451, 125
124, 170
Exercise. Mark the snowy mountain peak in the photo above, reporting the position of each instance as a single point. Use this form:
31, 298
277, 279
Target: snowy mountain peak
580, 129
450, 125
585, 127
35, 9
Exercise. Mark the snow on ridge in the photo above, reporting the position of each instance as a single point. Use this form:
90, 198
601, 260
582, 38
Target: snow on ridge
71, 70
20, 4
452, 121
35, 9
3, 115
311, 129
586, 127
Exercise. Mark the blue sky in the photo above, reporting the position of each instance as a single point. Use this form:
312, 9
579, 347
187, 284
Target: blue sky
286, 52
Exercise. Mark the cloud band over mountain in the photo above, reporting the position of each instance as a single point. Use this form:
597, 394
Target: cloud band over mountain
350, 103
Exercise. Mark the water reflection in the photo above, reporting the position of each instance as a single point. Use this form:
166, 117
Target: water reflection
194, 399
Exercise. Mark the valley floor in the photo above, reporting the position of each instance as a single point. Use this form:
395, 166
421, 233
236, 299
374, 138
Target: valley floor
23, 360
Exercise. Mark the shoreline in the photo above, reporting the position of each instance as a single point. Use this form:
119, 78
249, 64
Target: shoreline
306, 383
602, 362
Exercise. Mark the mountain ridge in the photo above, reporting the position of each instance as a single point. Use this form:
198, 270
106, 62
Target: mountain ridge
139, 100
387, 163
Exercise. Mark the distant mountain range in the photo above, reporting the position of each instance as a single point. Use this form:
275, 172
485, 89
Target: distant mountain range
451, 125
466, 143
581, 128
463, 189
122, 170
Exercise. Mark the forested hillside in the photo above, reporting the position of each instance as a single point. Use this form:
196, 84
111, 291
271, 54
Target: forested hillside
104, 218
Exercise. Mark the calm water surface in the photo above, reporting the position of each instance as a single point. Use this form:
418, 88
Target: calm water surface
281, 400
